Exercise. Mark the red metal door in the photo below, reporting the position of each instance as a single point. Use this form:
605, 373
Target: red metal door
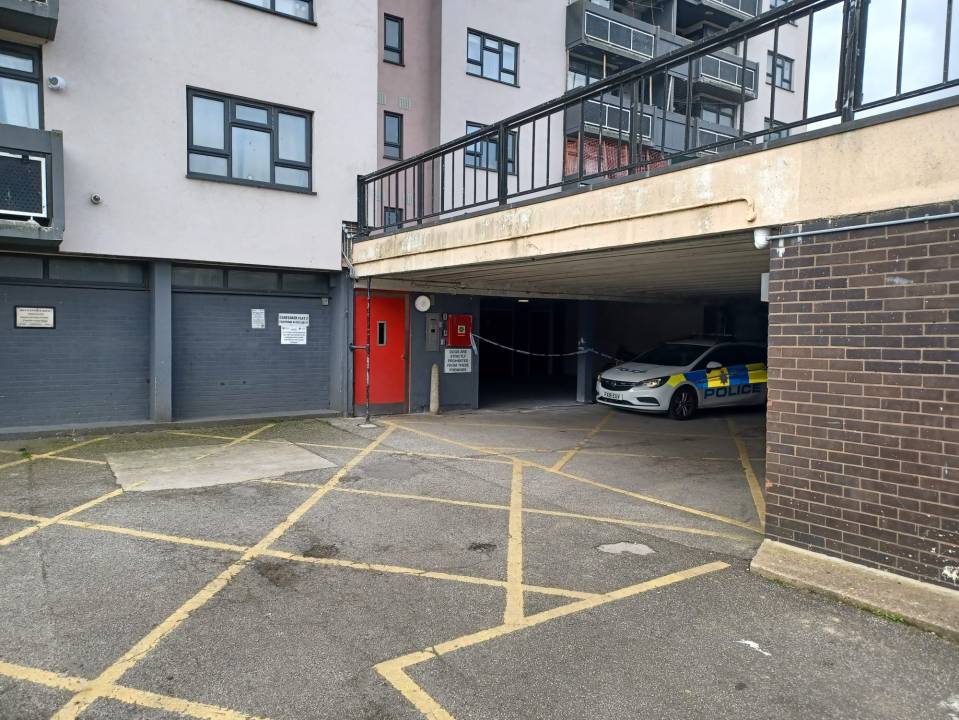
388, 341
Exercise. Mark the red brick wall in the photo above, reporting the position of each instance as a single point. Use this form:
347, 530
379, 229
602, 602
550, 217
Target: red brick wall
863, 424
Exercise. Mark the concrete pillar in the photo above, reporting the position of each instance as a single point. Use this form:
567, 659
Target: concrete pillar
161, 341
585, 391
341, 360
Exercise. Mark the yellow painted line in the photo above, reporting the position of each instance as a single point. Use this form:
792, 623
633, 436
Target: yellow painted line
22, 516
561, 428
98, 687
513, 614
534, 511
758, 499
130, 696
78, 460
394, 671
160, 537
53, 453
10, 539
236, 441
561, 463
611, 488
434, 575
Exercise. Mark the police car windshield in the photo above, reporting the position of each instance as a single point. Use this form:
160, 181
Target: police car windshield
671, 354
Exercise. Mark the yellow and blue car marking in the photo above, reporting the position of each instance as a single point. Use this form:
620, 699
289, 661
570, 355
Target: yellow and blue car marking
725, 381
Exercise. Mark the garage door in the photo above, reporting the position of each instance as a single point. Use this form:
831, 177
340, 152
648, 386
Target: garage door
88, 361
232, 357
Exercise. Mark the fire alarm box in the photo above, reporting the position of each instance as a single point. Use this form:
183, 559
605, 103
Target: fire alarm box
459, 329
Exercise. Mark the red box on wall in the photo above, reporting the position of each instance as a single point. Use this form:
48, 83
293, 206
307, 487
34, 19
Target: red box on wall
459, 329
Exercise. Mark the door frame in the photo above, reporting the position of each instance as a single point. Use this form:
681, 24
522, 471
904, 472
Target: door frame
359, 374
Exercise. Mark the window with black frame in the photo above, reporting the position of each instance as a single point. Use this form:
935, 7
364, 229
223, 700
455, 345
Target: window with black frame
392, 136
20, 94
299, 9
779, 71
393, 39
483, 154
248, 142
491, 57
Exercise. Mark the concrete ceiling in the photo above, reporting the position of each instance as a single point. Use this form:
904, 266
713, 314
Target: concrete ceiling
701, 267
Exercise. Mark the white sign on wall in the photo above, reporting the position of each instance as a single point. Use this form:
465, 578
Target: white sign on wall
458, 360
293, 327
257, 318
35, 317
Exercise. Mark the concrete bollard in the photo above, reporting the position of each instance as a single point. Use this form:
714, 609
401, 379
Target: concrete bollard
435, 390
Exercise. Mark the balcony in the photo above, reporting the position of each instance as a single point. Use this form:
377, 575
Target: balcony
725, 77
720, 12
36, 18
592, 25
31, 188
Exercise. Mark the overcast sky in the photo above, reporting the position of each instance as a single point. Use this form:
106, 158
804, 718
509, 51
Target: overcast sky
923, 52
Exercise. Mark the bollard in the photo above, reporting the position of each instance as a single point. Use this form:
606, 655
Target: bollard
435, 390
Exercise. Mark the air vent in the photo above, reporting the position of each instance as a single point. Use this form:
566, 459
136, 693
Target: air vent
381, 97
405, 103
23, 186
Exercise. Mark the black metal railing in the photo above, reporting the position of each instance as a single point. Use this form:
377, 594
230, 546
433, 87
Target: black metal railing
661, 113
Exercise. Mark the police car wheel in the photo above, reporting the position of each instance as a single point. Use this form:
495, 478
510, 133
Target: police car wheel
682, 406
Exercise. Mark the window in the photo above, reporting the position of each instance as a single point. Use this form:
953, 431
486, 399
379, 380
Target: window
299, 9
248, 142
483, 154
491, 57
393, 39
779, 71
718, 114
392, 136
392, 217
381, 333
19, 86
201, 278
775, 134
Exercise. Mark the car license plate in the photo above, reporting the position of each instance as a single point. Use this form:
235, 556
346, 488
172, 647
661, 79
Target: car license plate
611, 395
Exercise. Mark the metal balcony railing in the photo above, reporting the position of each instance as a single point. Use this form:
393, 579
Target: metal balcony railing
591, 134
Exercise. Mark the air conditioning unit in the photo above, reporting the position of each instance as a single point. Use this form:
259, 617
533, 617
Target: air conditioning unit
23, 186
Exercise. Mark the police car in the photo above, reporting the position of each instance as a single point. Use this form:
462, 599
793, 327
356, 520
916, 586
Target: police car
682, 377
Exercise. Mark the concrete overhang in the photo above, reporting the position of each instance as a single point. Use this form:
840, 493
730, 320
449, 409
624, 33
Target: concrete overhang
685, 229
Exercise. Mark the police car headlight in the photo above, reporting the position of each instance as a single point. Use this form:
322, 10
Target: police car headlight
654, 383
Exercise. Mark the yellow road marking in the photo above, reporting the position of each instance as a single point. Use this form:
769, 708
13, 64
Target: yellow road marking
582, 443
594, 483
53, 453
79, 460
556, 428
130, 696
758, 500
394, 671
513, 614
236, 441
97, 687
22, 516
19, 535
535, 511
160, 537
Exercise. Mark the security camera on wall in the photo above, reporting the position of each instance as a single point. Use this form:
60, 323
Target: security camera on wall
56, 83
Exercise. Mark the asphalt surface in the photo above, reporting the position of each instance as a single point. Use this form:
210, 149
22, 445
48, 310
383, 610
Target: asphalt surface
587, 563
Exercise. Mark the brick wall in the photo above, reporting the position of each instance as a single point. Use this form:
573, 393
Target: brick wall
863, 424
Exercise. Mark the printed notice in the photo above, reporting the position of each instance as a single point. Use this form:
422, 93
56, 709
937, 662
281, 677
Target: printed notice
293, 334
257, 318
458, 360
35, 317
294, 319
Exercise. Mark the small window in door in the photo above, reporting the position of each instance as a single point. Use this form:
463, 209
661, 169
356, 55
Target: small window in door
381, 333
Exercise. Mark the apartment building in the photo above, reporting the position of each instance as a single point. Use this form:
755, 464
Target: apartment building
172, 195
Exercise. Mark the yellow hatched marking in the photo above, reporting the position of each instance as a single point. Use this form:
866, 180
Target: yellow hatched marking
82, 700
535, 511
79, 460
159, 537
394, 671
594, 483
758, 499
554, 428
513, 614
22, 516
54, 453
236, 441
126, 695
10, 539
561, 463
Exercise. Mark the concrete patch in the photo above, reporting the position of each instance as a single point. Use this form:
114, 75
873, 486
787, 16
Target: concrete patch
193, 467
626, 547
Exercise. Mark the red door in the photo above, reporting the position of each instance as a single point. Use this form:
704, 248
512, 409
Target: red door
388, 359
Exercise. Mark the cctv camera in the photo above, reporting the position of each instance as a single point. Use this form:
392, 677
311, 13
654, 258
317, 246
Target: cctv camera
761, 238
55, 82
96, 199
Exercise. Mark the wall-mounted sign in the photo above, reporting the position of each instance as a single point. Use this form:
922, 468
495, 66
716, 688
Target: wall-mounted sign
294, 319
458, 360
257, 318
35, 317
293, 327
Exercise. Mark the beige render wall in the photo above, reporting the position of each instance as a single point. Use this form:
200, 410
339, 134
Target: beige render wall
123, 115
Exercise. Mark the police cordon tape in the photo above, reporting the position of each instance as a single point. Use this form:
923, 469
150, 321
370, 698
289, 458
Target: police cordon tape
581, 351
